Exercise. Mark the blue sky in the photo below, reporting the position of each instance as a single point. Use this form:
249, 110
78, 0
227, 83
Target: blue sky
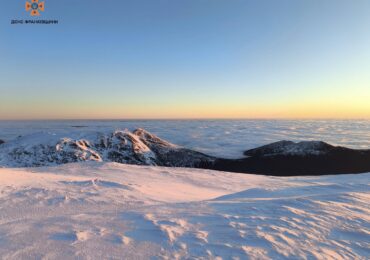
186, 59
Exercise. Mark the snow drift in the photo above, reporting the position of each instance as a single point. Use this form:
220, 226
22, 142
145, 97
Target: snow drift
97, 210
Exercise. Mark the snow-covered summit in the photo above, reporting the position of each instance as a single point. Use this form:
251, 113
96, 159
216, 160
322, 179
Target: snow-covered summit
138, 147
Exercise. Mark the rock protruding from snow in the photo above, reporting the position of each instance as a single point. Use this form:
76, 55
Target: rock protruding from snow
2, 141
291, 148
139, 147
69, 150
152, 140
125, 147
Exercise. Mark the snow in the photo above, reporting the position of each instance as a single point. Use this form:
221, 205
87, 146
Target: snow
95, 210
137, 147
221, 138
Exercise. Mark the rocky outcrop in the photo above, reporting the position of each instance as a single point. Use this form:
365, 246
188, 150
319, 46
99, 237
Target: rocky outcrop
139, 147
1, 142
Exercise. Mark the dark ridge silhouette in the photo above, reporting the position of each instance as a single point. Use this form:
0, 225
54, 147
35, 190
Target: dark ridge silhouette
296, 159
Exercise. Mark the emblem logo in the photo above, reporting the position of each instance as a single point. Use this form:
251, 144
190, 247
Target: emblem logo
34, 7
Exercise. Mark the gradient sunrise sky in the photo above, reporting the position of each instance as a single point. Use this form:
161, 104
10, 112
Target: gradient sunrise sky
187, 59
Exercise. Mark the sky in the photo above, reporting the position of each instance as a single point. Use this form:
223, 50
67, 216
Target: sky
118, 59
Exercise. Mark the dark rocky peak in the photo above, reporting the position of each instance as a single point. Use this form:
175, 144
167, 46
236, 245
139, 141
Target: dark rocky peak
291, 148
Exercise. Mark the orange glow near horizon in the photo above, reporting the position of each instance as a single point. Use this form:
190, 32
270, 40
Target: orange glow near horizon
225, 111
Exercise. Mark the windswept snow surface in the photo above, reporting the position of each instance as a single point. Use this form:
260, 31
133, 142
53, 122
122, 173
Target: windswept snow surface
97, 210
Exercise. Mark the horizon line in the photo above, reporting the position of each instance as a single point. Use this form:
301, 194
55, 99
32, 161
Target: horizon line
187, 119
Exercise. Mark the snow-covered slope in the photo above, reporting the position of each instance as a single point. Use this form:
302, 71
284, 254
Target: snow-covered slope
137, 147
97, 210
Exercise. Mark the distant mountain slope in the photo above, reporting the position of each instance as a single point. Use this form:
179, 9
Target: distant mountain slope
138, 147
284, 158
291, 148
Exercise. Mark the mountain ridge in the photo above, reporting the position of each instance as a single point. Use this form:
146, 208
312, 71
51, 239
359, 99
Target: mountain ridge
140, 147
